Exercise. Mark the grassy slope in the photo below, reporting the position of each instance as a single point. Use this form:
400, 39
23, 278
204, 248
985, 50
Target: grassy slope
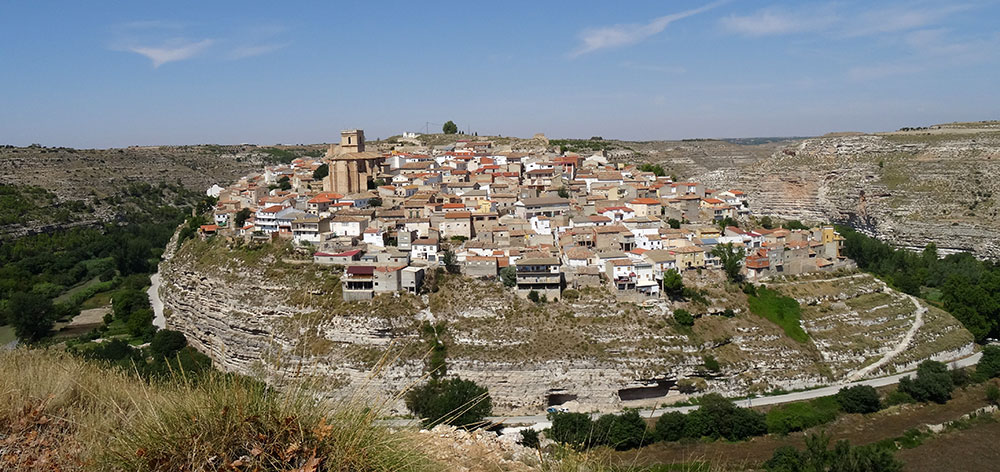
69, 414
780, 310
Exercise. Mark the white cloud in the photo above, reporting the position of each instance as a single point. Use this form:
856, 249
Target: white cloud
900, 18
773, 21
173, 51
622, 35
256, 50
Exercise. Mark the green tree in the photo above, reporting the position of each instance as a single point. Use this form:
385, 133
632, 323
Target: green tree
794, 224
452, 401
563, 192
126, 301
673, 284
683, 317
508, 275
671, 426
859, 399
932, 383
284, 183
32, 316
450, 261
731, 258
449, 127
140, 323
727, 221
989, 364
241, 217
767, 223
656, 169
674, 223
166, 343
321, 172
375, 202
621, 432
534, 297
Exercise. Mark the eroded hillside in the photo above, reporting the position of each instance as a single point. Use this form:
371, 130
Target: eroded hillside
908, 188
261, 311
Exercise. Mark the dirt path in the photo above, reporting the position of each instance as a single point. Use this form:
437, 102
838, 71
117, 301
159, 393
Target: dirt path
900, 347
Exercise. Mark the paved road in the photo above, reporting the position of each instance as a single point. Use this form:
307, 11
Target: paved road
159, 320
771, 400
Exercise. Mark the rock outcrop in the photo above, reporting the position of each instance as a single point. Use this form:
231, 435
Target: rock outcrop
254, 313
908, 189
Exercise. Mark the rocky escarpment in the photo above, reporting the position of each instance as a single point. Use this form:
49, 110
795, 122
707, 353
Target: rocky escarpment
908, 189
256, 313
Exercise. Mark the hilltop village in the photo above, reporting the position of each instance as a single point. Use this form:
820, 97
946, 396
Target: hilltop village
541, 219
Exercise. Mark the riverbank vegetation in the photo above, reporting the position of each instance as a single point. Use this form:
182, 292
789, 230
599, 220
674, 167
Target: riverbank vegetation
49, 277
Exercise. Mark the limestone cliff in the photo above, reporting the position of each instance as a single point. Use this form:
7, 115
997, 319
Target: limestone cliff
253, 311
907, 188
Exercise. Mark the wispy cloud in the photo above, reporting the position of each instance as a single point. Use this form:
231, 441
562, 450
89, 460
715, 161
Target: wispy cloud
163, 41
774, 21
177, 51
835, 20
242, 52
595, 39
898, 18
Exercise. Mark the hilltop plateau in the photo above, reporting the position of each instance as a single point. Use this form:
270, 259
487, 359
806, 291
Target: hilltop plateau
908, 188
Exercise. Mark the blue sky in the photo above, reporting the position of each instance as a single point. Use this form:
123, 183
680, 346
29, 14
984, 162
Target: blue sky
102, 74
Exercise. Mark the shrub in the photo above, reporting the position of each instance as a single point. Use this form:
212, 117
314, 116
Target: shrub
993, 394
932, 383
453, 401
801, 416
859, 399
842, 458
671, 426
710, 363
533, 296
529, 438
575, 429
898, 398
718, 417
683, 317
571, 294
960, 377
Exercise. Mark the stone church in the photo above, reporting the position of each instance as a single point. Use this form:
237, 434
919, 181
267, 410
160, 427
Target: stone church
351, 167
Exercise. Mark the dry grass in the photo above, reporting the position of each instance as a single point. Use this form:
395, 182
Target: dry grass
62, 413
